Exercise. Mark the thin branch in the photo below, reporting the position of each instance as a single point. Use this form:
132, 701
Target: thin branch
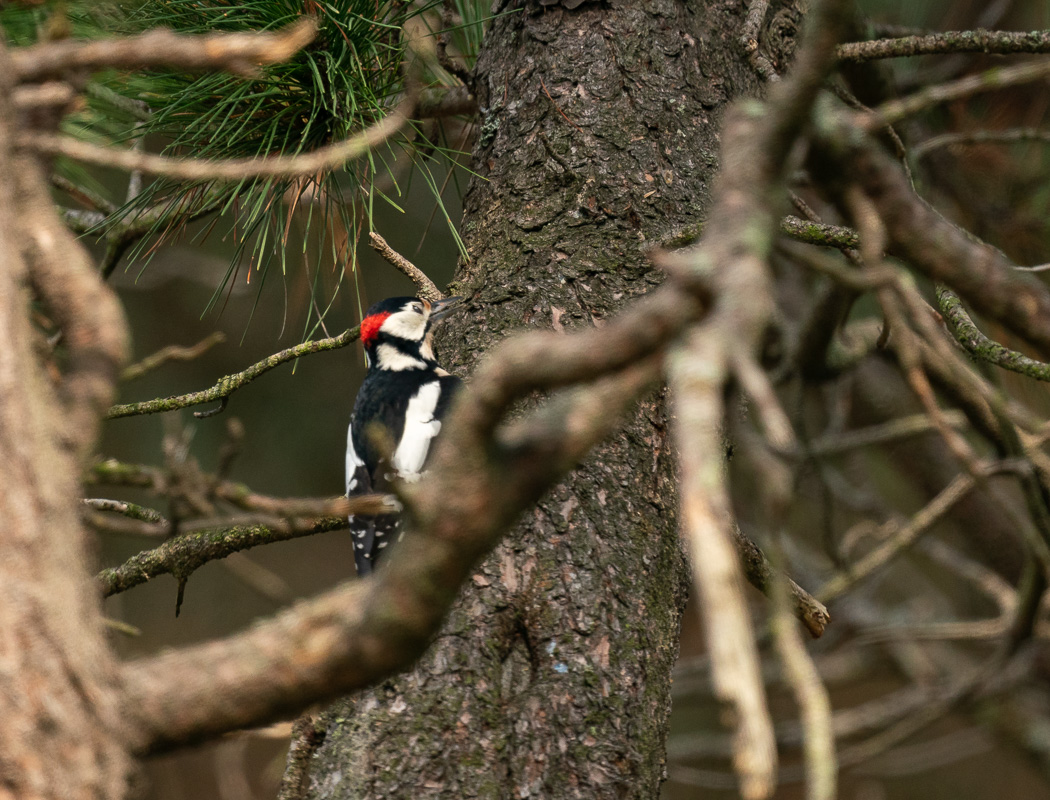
231, 383
980, 346
904, 427
749, 43
239, 53
761, 574
836, 236
903, 535
425, 287
812, 698
88, 315
323, 159
894, 111
130, 510
978, 41
978, 138
172, 352
185, 553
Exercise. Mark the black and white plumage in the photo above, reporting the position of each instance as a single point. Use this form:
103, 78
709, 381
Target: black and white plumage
402, 400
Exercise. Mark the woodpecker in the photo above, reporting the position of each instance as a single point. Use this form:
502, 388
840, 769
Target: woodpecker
402, 400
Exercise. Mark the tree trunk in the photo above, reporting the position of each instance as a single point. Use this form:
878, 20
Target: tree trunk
61, 735
598, 139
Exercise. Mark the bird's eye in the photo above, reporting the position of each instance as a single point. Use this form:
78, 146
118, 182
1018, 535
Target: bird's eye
417, 307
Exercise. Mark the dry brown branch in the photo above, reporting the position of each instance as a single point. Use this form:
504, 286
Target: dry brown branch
87, 313
812, 698
698, 371
756, 14
761, 574
323, 159
734, 255
240, 53
424, 286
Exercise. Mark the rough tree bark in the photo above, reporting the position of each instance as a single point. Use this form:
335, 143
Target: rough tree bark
61, 734
551, 678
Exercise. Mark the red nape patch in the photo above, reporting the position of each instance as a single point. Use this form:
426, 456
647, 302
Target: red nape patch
370, 327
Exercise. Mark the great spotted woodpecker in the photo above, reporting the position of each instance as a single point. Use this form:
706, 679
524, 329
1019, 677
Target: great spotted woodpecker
401, 402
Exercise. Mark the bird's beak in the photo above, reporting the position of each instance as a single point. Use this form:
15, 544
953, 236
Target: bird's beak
440, 308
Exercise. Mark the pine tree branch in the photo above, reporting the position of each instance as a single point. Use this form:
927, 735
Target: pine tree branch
227, 385
239, 53
323, 159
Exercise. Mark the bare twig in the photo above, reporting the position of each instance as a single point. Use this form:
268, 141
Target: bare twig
172, 352
240, 53
895, 110
749, 43
978, 41
880, 434
425, 287
87, 313
130, 510
903, 535
812, 698
979, 138
323, 159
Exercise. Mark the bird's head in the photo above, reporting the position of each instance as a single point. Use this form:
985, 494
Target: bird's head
397, 332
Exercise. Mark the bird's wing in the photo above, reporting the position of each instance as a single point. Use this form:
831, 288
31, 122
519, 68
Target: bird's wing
358, 479
362, 527
421, 426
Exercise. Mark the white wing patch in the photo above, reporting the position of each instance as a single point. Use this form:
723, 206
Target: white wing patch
420, 429
353, 461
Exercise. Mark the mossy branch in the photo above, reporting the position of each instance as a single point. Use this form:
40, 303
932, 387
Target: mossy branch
228, 384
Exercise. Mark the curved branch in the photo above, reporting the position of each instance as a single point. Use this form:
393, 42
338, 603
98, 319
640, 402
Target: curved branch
240, 53
323, 159
231, 383
980, 346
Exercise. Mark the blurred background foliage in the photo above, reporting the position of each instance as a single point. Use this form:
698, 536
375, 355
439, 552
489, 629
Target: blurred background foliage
272, 262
